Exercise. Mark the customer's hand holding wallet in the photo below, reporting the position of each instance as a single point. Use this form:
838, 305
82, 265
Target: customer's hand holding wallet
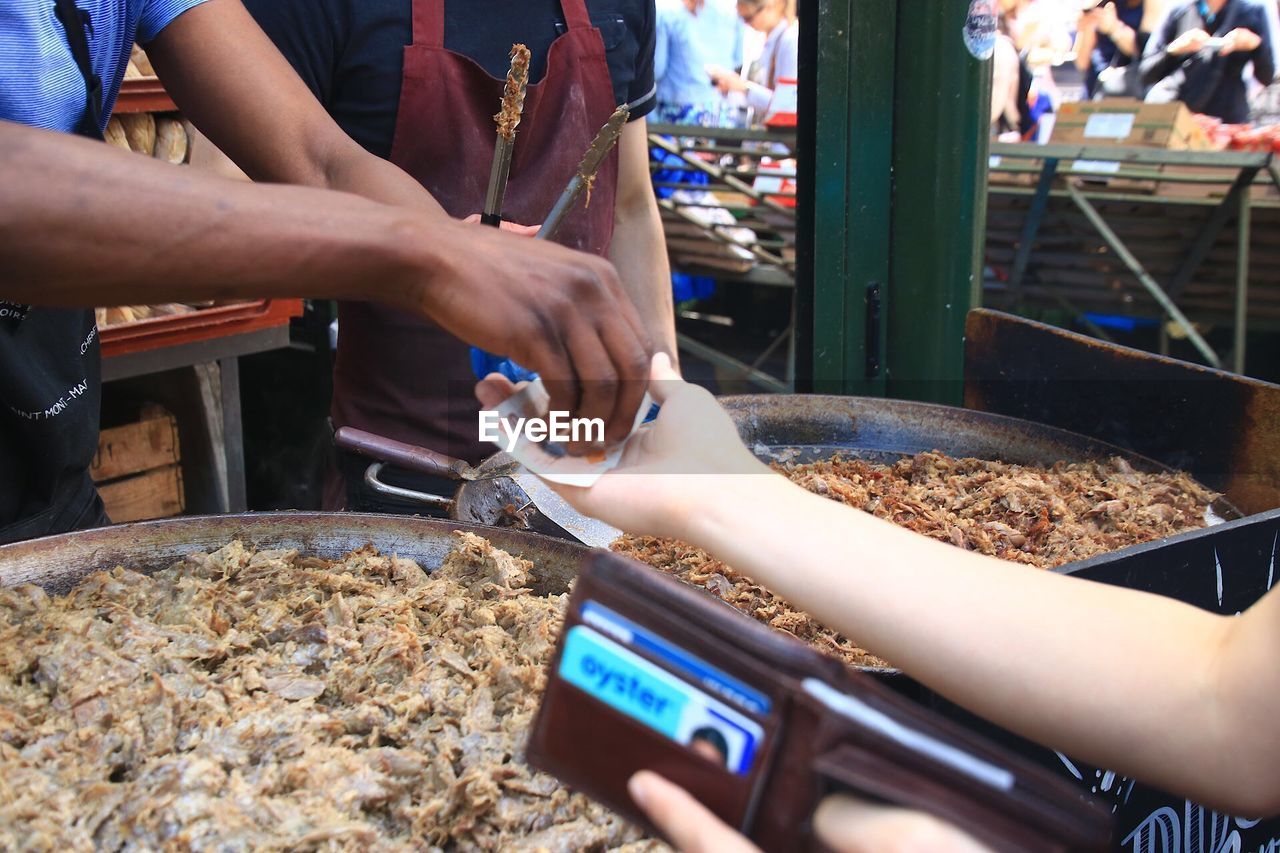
651, 674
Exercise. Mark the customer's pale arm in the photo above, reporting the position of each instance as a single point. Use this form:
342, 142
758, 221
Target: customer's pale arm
1099, 672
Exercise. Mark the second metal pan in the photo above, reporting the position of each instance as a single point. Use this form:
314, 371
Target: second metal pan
803, 428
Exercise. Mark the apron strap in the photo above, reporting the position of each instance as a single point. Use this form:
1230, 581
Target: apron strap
75, 22
575, 14
428, 19
428, 23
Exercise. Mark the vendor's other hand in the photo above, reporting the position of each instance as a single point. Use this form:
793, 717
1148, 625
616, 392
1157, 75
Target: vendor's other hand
522, 230
844, 824
1192, 41
1241, 40
555, 311
671, 469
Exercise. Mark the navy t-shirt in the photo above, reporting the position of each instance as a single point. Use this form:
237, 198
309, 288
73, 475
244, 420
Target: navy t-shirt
351, 52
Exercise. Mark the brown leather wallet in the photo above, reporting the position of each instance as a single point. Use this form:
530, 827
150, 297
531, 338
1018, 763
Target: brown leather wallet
652, 674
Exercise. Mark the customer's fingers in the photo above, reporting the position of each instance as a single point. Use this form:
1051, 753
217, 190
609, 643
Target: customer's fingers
847, 825
688, 824
493, 389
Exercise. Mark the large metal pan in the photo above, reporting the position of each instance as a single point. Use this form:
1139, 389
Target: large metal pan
801, 428
58, 563
806, 426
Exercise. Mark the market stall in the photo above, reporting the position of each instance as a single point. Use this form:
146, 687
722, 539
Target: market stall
727, 197
1147, 223
826, 623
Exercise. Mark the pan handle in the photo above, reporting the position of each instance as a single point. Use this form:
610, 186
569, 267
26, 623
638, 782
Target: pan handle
372, 480
407, 456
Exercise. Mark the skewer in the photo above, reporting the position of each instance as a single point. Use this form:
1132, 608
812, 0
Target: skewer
507, 120
585, 176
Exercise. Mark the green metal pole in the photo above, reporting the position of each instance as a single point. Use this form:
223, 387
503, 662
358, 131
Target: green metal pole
942, 96
845, 149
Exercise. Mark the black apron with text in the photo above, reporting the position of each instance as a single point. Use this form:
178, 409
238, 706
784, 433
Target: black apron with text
50, 382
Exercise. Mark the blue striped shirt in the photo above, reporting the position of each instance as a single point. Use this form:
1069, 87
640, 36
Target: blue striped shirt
40, 84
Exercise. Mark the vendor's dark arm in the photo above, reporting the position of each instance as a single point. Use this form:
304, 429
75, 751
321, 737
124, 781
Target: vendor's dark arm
258, 111
83, 224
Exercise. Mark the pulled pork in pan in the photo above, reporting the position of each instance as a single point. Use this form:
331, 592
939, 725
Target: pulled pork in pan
248, 700
1042, 517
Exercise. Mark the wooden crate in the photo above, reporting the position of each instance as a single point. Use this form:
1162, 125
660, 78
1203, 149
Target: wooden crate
137, 468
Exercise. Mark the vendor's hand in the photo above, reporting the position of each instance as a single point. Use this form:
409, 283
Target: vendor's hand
1240, 40
844, 824
671, 469
1192, 41
555, 311
522, 230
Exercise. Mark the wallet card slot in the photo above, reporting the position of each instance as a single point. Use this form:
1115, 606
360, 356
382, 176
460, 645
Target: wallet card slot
674, 658
957, 757
591, 745
912, 739
874, 777
753, 670
968, 787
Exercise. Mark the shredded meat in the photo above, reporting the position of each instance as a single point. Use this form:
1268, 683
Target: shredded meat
1043, 517
513, 93
248, 700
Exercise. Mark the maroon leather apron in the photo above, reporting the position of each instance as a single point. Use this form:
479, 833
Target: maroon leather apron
399, 376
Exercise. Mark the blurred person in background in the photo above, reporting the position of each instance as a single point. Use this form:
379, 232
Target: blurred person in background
718, 31
1042, 38
686, 94
1035, 27
779, 60
1199, 54
1110, 38
1020, 97
1006, 73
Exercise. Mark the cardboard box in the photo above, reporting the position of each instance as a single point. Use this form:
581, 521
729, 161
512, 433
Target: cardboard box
1129, 122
